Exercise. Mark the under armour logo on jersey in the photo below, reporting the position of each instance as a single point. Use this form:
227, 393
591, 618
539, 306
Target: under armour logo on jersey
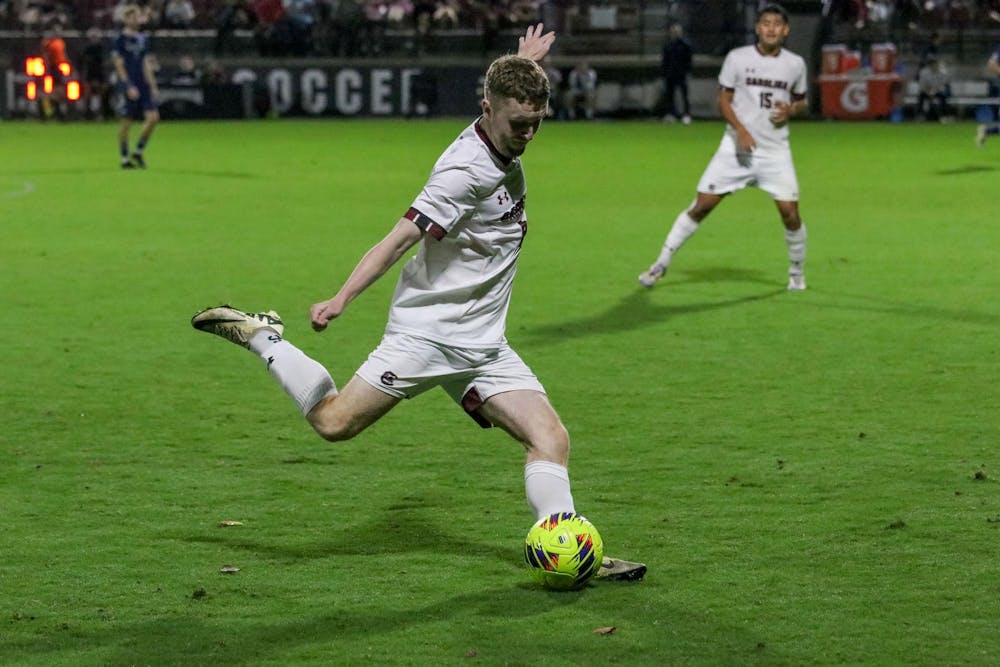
503, 198
388, 378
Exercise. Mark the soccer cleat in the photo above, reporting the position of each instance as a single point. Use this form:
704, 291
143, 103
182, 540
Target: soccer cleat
615, 569
235, 325
127, 164
649, 277
139, 162
796, 282
980, 135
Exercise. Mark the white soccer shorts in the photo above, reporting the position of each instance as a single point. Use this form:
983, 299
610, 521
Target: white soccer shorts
772, 172
405, 366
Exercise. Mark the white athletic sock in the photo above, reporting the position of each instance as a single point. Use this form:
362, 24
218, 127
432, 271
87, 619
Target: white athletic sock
684, 226
302, 378
546, 484
796, 241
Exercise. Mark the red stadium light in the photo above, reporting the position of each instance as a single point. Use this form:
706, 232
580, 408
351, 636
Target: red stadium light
32, 90
34, 66
73, 91
65, 68
47, 85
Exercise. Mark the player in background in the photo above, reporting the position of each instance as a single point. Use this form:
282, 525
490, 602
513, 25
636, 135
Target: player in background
447, 319
990, 129
761, 88
133, 62
58, 67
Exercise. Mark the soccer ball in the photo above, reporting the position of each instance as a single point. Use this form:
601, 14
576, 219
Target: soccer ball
563, 551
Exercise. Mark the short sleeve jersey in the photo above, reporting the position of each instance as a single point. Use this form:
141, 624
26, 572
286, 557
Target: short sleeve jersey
457, 288
133, 49
759, 81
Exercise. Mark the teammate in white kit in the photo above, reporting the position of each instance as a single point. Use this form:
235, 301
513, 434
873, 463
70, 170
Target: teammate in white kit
761, 88
448, 314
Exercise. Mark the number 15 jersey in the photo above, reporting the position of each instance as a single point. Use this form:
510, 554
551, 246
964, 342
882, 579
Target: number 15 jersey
759, 82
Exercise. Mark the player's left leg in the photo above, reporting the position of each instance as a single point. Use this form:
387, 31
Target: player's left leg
530, 418
150, 119
795, 238
123, 126
984, 130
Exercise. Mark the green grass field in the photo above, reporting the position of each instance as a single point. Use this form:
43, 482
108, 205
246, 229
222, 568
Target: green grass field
811, 477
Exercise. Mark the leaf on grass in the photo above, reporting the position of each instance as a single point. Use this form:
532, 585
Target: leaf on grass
227, 523
229, 569
605, 630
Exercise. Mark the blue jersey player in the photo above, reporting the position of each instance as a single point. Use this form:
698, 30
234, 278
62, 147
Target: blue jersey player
990, 129
133, 64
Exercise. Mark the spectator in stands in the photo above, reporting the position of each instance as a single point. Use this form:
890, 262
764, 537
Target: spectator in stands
187, 75
675, 66
94, 75
268, 32
582, 90
178, 14
349, 25
931, 50
906, 14
555, 109
932, 100
376, 13
58, 67
423, 24
990, 129
300, 17
232, 14
214, 73
446, 14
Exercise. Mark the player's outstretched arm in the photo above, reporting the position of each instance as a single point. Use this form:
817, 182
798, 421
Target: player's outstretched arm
534, 44
376, 261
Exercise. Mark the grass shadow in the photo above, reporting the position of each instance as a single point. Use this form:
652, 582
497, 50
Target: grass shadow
637, 309
195, 638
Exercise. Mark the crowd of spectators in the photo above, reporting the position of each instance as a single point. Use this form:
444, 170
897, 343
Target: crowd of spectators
425, 15
916, 14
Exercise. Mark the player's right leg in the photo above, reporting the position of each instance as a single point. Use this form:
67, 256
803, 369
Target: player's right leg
305, 380
684, 226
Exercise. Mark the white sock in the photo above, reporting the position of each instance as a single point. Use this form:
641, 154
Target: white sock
684, 226
546, 484
302, 378
796, 241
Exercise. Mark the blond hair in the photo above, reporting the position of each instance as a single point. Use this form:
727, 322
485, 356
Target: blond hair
516, 78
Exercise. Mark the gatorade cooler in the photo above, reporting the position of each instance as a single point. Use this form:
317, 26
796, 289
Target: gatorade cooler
851, 60
883, 58
833, 58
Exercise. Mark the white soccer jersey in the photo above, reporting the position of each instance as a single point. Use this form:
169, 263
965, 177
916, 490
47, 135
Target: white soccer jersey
457, 288
759, 81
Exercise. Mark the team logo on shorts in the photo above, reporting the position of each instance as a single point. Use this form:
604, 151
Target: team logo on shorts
388, 378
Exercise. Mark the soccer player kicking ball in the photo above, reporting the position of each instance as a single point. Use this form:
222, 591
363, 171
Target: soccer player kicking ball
448, 315
762, 87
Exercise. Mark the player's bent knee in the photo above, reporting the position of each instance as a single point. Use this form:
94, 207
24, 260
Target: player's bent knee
333, 428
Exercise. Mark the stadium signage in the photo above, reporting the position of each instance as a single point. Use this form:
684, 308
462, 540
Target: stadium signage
360, 91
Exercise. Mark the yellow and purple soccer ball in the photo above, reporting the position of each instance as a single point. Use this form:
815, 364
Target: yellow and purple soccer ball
563, 551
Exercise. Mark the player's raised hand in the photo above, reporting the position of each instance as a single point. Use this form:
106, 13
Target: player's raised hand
321, 313
535, 44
